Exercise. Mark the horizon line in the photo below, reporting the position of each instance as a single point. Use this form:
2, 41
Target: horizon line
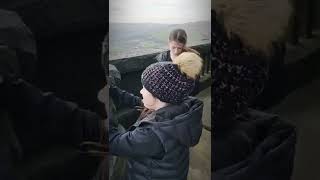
158, 22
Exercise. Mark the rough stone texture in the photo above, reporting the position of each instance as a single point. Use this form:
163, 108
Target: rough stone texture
205, 96
200, 156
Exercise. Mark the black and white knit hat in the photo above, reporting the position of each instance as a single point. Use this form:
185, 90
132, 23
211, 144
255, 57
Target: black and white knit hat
172, 82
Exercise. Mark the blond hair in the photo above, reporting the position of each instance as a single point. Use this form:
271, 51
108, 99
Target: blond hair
189, 63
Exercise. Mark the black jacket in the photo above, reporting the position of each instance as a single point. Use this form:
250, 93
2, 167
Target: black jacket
265, 150
157, 146
43, 122
163, 56
47, 117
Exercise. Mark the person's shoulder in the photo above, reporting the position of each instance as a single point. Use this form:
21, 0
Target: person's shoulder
163, 56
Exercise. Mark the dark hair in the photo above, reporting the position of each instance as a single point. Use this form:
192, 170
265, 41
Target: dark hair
178, 35
144, 113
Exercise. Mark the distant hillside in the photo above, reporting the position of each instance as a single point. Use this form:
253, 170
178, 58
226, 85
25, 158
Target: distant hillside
128, 39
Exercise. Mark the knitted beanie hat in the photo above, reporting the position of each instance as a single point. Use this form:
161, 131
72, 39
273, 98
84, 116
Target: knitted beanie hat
172, 82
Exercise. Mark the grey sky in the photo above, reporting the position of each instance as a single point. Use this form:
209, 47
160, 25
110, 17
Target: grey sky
159, 11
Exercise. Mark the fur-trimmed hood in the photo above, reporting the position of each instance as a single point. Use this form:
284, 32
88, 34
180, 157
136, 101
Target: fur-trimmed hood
258, 23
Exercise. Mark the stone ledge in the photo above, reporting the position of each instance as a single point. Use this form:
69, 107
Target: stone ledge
139, 63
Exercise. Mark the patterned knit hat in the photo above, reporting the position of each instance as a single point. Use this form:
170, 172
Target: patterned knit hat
172, 82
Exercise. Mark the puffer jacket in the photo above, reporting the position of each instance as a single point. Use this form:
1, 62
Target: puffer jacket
163, 56
43, 122
157, 147
54, 119
270, 153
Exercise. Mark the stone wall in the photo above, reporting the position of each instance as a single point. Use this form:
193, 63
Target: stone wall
132, 68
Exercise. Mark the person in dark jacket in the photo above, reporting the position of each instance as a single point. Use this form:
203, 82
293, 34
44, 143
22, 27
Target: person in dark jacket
241, 51
17, 55
55, 120
157, 145
113, 104
272, 143
177, 45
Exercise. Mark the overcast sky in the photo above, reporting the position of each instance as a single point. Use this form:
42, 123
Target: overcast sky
159, 11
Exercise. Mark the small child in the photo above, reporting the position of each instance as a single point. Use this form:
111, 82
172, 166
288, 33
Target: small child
157, 146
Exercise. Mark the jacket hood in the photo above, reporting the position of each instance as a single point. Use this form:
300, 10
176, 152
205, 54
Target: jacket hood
182, 122
257, 22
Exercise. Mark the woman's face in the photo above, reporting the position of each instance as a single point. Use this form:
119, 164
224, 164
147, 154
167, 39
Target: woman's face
175, 47
149, 101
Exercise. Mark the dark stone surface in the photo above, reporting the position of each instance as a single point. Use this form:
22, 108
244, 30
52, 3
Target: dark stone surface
132, 68
138, 63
